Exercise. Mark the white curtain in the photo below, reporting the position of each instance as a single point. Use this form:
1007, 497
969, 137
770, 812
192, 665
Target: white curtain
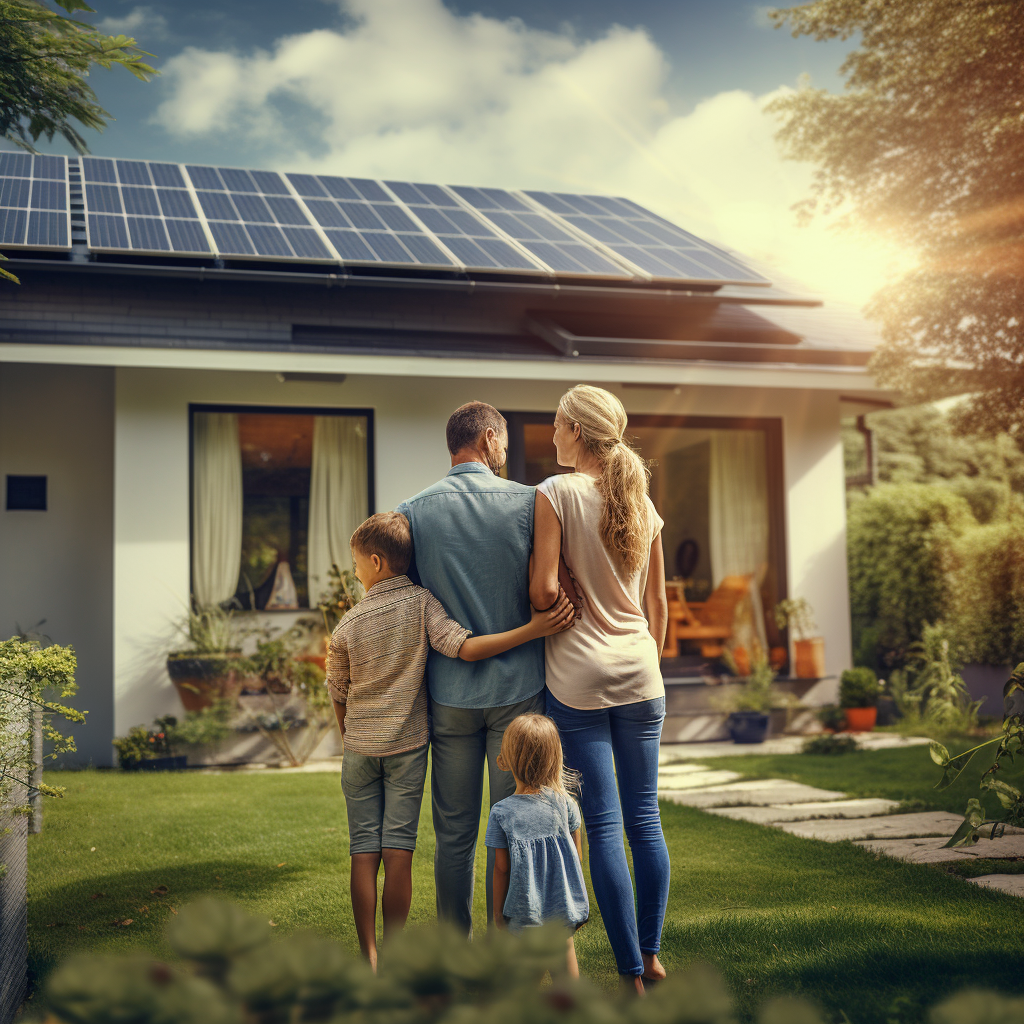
337, 496
216, 506
739, 512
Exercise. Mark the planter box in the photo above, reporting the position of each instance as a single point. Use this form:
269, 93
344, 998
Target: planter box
163, 764
13, 914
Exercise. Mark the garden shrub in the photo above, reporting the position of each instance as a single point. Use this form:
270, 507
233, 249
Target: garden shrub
899, 538
858, 688
236, 974
986, 594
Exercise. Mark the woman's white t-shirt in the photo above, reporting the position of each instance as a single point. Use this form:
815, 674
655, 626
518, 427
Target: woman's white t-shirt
609, 657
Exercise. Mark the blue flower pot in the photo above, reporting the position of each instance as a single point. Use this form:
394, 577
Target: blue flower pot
748, 726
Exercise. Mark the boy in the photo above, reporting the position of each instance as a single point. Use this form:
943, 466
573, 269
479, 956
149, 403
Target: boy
375, 675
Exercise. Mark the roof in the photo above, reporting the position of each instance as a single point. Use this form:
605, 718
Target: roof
571, 277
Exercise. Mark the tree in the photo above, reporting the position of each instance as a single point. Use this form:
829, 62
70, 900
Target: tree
926, 146
44, 59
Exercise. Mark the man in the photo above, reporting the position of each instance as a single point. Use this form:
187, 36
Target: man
472, 536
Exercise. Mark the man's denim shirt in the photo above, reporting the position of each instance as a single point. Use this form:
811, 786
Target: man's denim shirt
472, 535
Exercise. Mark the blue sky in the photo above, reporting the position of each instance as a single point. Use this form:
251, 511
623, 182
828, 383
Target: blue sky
660, 101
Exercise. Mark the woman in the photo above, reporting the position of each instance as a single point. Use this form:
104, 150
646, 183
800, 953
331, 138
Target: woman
605, 690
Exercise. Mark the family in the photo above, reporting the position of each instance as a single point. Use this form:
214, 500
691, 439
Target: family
517, 631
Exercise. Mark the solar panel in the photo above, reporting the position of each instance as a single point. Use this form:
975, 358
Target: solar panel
477, 245
649, 242
34, 207
365, 224
140, 206
252, 213
554, 245
143, 206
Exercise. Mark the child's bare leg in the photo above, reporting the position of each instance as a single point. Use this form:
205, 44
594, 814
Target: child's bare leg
364, 902
571, 966
397, 889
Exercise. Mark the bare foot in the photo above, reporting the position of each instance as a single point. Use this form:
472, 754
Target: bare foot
632, 984
653, 971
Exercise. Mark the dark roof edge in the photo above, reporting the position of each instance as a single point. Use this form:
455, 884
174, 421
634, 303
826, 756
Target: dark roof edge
343, 280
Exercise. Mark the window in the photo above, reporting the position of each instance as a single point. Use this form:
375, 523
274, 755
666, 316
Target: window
276, 494
717, 483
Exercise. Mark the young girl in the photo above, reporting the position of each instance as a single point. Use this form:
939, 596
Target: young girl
538, 875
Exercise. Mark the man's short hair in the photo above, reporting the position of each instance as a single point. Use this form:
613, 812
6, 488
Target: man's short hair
387, 535
468, 423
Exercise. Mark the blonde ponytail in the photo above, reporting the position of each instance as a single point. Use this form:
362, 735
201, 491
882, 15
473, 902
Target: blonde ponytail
624, 475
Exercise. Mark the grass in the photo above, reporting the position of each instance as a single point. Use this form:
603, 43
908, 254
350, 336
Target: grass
772, 912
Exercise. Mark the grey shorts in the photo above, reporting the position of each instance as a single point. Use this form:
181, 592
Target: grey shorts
383, 796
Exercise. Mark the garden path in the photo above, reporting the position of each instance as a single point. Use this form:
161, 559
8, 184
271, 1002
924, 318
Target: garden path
828, 815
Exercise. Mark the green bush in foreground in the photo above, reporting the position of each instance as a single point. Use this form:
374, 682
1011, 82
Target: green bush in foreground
237, 975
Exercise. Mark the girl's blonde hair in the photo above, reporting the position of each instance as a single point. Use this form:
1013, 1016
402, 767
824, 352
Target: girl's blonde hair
624, 477
532, 752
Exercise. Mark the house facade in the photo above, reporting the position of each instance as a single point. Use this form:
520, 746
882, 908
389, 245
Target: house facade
213, 426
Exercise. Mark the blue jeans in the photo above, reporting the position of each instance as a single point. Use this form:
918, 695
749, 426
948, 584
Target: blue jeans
621, 741
464, 742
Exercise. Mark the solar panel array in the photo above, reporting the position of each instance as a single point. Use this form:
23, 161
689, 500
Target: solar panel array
365, 224
547, 240
145, 207
138, 206
34, 207
648, 241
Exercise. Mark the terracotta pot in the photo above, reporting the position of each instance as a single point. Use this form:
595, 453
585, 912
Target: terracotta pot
741, 660
810, 658
201, 680
316, 659
860, 719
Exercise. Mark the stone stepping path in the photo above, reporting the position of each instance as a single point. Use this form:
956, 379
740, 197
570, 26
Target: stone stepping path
892, 826
831, 816
775, 814
1013, 884
762, 792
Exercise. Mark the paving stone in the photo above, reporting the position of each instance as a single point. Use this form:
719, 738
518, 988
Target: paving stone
930, 851
763, 792
892, 826
694, 780
798, 812
1012, 884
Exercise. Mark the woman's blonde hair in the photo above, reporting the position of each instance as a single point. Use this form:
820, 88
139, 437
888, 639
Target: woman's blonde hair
532, 752
624, 477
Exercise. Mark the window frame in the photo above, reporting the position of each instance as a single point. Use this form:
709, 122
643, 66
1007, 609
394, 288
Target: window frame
272, 410
771, 426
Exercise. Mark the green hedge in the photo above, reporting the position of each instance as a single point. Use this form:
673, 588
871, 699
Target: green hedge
985, 607
899, 540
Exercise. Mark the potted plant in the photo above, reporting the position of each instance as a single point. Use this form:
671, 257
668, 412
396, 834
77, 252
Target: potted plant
211, 666
858, 697
798, 616
832, 718
750, 707
150, 750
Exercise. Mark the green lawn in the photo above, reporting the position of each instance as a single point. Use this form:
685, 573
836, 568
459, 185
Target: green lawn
772, 912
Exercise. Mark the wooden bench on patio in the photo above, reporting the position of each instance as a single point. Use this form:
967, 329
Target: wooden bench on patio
709, 623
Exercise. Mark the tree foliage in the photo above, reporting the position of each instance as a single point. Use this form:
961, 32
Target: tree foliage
27, 674
926, 146
45, 57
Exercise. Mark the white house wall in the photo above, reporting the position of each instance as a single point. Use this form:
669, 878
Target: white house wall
151, 520
58, 422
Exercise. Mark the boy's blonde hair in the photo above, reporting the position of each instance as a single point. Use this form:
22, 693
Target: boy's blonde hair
532, 751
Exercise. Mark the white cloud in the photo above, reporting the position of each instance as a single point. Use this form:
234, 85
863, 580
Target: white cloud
140, 22
410, 90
